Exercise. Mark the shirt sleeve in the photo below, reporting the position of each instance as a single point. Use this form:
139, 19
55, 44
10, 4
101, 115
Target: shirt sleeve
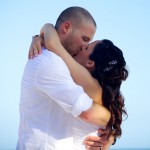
54, 79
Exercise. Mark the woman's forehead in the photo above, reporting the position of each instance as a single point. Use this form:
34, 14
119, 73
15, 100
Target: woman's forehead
93, 44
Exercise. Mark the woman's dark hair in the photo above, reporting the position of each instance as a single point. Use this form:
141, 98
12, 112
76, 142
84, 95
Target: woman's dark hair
110, 71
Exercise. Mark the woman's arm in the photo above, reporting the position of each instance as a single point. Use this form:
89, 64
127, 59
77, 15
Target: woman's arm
80, 74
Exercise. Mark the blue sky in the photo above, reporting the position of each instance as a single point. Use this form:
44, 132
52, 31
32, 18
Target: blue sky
125, 22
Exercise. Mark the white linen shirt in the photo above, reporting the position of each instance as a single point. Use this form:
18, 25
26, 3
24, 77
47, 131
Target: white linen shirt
49, 100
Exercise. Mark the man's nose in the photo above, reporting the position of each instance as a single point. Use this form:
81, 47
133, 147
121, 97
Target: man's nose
84, 46
85, 43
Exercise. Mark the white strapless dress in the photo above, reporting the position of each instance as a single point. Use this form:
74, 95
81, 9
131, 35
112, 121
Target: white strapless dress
81, 130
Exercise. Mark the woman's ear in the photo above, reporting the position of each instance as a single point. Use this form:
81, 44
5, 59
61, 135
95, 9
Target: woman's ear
90, 65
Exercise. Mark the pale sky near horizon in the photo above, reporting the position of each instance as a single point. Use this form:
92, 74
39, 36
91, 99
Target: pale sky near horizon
124, 22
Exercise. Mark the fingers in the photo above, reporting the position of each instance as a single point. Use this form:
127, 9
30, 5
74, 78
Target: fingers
33, 52
97, 142
93, 138
104, 134
93, 143
103, 131
39, 48
93, 148
35, 48
96, 139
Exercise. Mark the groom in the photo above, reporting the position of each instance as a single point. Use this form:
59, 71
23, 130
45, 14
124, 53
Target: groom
47, 103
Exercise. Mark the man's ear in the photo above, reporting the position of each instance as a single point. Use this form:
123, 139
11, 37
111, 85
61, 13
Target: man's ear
67, 27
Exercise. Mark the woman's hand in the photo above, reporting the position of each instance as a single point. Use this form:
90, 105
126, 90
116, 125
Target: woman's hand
108, 144
101, 142
35, 47
51, 42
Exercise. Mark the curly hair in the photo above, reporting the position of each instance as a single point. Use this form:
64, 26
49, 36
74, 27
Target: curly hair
110, 71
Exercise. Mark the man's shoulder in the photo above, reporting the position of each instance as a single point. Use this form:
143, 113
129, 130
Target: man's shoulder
47, 56
48, 61
53, 60
50, 54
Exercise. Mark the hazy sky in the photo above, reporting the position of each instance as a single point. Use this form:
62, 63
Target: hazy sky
125, 22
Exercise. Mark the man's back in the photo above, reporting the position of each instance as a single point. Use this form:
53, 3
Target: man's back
48, 97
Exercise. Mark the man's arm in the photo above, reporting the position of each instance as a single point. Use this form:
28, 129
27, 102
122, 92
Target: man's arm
97, 114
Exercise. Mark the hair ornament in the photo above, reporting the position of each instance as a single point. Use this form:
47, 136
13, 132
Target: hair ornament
113, 62
110, 67
107, 69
